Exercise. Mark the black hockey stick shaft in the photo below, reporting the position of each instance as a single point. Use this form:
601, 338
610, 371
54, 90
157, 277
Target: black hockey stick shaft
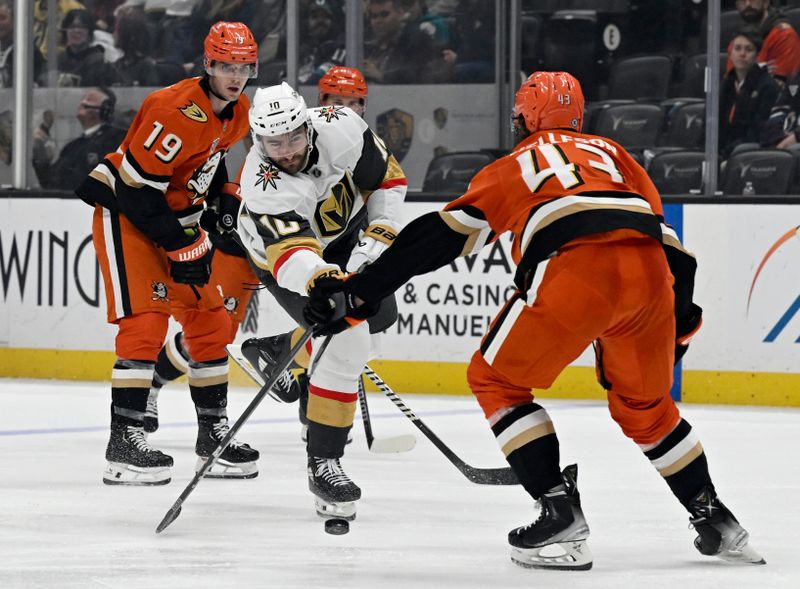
481, 476
175, 510
362, 401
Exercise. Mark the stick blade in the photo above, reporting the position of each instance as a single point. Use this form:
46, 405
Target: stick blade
170, 517
394, 445
491, 476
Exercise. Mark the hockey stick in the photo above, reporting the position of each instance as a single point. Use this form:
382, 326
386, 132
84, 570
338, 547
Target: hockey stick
481, 476
175, 510
392, 445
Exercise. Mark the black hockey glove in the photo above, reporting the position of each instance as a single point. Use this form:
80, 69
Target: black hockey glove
331, 308
222, 215
685, 329
191, 264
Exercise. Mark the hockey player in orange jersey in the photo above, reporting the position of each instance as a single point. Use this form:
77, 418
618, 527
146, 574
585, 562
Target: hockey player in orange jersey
595, 265
156, 259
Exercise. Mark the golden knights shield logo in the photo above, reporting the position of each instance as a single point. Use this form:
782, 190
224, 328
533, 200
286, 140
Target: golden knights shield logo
333, 213
396, 128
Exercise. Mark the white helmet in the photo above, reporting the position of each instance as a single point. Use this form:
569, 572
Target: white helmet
277, 110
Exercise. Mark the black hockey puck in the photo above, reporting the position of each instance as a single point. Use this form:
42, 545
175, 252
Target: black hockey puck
336, 526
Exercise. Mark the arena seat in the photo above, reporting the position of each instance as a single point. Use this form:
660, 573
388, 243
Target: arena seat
693, 75
531, 35
685, 126
645, 76
451, 173
770, 171
730, 22
591, 109
634, 126
677, 172
570, 43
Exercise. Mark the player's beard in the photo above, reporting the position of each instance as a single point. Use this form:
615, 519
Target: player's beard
292, 165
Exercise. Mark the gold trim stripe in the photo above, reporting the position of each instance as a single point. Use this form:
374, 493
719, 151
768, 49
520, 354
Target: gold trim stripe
682, 462
208, 381
276, 250
529, 435
131, 383
330, 412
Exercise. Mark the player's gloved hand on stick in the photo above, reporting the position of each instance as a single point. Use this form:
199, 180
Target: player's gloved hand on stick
375, 239
331, 308
222, 215
191, 264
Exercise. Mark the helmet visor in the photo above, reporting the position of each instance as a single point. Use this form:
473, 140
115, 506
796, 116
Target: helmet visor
288, 150
239, 70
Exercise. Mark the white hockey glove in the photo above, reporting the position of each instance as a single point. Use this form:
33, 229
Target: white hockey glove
373, 241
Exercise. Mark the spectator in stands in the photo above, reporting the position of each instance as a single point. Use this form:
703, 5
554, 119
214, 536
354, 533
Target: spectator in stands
135, 67
431, 24
175, 43
7, 48
81, 63
782, 130
82, 154
471, 53
747, 95
398, 52
322, 42
103, 13
780, 50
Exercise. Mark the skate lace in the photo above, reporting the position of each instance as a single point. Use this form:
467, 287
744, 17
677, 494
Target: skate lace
138, 438
331, 470
540, 517
152, 401
285, 381
221, 430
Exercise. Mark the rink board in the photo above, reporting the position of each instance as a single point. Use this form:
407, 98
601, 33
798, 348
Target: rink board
53, 314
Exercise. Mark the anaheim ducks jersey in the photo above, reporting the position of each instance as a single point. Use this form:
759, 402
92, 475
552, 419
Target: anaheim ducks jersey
287, 220
175, 146
554, 188
557, 186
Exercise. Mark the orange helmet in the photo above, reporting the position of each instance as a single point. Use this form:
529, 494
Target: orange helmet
343, 81
550, 100
230, 42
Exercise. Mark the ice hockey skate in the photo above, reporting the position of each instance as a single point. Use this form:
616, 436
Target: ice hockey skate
557, 539
334, 493
132, 461
237, 461
719, 532
263, 354
151, 413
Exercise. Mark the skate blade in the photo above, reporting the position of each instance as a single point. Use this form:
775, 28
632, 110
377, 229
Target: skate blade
118, 473
564, 556
745, 555
222, 469
345, 510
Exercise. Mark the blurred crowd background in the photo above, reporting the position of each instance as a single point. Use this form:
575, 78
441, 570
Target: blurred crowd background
440, 85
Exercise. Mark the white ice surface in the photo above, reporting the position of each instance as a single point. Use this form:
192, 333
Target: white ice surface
420, 522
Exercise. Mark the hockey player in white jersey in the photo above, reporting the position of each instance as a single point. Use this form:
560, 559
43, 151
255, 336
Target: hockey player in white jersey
307, 184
